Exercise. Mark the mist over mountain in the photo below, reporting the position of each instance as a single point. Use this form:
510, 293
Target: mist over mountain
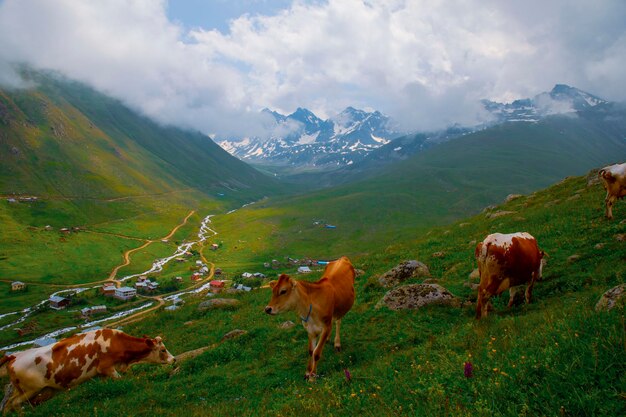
354, 136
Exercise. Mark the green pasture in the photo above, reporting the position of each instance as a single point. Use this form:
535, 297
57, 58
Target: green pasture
556, 356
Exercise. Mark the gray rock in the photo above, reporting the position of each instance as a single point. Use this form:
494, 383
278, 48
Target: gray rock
573, 258
615, 297
218, 303
512, 197
416, 296
402, 272
234, 333
499, 214
474, 274
471, 285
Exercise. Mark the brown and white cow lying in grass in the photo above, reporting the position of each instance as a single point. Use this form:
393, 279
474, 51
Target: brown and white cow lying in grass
317, 304
74, 360
614, 179
506, 261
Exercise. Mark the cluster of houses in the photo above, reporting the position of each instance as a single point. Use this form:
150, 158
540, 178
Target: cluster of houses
26, 199
201, 272
121, 293
253, 275
144, 285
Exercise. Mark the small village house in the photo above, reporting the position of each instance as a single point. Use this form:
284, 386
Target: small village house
214, 246
58, 303
217, 286
125, 293
108, 289
87, 311
247, 275
17, 286
218, 271
304, 270
242, 287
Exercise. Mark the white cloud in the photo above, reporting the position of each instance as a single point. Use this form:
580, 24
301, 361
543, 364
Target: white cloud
425, 63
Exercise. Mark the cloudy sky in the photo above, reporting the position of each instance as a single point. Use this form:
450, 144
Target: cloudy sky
213, 64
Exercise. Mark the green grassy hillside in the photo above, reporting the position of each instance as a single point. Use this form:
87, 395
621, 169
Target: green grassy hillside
95, 164
63, 138
556, 356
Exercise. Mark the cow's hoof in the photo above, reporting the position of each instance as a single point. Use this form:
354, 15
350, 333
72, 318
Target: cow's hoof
337, 348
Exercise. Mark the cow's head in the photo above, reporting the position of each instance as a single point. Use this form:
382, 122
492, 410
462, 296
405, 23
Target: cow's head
158, 351
284, 296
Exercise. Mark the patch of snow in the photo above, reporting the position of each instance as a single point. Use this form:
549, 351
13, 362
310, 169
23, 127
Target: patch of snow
306, 139
379, 140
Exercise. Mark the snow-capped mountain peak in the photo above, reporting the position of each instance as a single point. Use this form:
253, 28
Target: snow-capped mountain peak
303, 138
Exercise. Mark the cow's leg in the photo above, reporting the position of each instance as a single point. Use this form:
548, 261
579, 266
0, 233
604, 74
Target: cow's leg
609, 200
311, 343
482, 304
529, 289
17, 398
109, 370
8, 392
513, 295
337, 337
317, 352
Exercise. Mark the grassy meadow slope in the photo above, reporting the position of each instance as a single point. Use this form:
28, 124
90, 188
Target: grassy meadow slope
556, 356
434, 187
95, 164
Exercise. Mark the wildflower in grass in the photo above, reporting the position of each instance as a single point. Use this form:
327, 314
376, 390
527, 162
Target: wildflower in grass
348, 375
468, 370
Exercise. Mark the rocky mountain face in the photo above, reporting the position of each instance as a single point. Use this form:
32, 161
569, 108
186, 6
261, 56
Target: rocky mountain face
302, 138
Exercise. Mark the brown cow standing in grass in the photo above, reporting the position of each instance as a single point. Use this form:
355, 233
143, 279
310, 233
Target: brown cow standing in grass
317, 304
614, 180
76, 359
506, 261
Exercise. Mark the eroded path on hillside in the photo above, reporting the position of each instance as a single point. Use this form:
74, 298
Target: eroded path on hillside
136, 313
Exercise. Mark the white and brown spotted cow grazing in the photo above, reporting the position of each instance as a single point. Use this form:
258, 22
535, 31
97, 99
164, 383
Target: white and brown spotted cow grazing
506, 261
614, 180
317, 304
76, 359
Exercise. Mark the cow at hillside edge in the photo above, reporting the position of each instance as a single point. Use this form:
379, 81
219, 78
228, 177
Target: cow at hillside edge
506, 261
73, 360
317, 305
614, 180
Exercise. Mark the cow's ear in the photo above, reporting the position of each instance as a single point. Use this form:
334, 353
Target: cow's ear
158, 340
272, 284
150, 343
